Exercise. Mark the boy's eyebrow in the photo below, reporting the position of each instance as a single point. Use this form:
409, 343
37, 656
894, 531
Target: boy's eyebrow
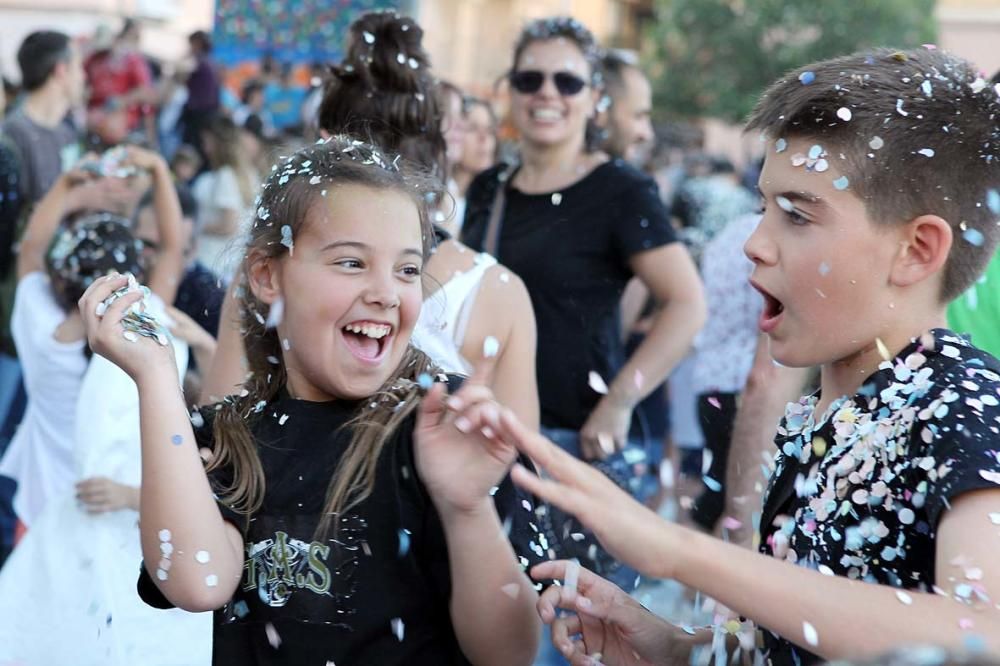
364, 246
796, 196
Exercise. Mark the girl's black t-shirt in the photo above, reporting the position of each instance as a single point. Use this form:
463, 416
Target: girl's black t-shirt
374, 592
859, 492
572, 250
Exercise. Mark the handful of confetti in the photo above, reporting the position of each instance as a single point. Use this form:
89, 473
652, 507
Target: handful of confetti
136, 321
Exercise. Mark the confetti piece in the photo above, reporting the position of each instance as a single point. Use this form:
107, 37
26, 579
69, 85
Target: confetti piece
876, 143
824, 268
176, 440
899, 108
805, 78
505, 277
711, 484
841, 183
926, 152
275, 313
286, 238
164, 535
714, 402
165, 564
161, 574
965, 623
202, 557
904, 598
272, 635
512, 590
491, 347
784, 204
425, 381
882, 349
973, 237
404, 542
819, 446
993, 201
166, 548
211, 580
780, 145
809, 632
990, 476
369, 37
572, 575
815, 151
556, 198
282, 419
397, 628
821, 166
926, 87
731, 523
995, 518
595, 382
639, 379
844, 113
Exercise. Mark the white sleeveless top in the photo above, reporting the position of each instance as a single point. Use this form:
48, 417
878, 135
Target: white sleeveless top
444, 318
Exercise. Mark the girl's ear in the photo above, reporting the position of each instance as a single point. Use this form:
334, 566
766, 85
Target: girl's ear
262, 273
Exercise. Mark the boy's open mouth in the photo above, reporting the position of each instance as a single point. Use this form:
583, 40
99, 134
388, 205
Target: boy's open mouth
773, 309
367, 340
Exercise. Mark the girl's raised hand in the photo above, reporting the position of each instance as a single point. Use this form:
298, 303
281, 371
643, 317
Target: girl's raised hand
628, 530
609, 626
105, 333
458, 456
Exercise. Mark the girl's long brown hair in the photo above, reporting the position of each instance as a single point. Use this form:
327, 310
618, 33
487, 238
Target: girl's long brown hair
292, 188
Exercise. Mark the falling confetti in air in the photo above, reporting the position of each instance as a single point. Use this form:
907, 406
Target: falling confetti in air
272, 635
596, 382
404, 542
397, 628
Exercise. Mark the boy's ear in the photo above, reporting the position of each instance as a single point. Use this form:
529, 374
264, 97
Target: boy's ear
262, 274
924, 249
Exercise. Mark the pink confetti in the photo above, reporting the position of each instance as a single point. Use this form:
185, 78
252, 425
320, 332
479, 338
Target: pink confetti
715, 402
639, 379
731, 523
965, 623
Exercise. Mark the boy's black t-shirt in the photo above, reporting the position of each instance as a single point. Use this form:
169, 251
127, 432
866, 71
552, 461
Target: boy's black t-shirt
859, 493
572, 250
200, 296
375, 592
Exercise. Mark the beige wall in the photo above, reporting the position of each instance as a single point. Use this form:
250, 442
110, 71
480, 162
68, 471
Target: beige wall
166, 23
971, 29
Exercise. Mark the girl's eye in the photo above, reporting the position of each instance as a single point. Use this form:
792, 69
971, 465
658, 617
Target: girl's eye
349, 263
411, 271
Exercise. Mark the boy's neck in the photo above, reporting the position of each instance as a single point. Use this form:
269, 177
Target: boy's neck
46, 107
845, 376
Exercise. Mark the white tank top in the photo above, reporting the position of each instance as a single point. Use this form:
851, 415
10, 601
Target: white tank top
444, 318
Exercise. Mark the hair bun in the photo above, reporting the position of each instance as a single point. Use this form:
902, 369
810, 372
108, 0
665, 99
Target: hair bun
386, 49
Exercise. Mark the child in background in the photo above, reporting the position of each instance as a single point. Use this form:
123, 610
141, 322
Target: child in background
879, 525
355, 522
67, 594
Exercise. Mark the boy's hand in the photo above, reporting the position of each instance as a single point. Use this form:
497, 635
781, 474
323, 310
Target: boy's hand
457, 453
143, 159
613, 628
606, 429
629, 531
140, 359
100, 495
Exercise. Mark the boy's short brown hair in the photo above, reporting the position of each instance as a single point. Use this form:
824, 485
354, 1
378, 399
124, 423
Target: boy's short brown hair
915, 132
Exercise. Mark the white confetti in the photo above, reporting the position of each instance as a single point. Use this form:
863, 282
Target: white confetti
369, 37
272, 635
809, 631
397, 628
165, 534
556, 199
995, 518
904, 598
161, 574
784, 204
211, 580
597, 383
491, 347
899, 108
202, 557
926, 152
275, 313
844, 113
876, 143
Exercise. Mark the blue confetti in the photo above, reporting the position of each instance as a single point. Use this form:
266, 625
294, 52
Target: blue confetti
993, 201
404, 542
241, 609
807, 77
973, 237
176, 440
841, 183
711, 484
425, 381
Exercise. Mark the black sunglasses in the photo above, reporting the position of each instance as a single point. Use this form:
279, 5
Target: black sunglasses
528, 81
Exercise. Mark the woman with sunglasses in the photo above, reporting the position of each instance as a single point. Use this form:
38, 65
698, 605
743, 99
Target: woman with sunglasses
576, 226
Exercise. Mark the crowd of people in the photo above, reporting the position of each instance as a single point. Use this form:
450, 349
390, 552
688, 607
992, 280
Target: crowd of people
331, 374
